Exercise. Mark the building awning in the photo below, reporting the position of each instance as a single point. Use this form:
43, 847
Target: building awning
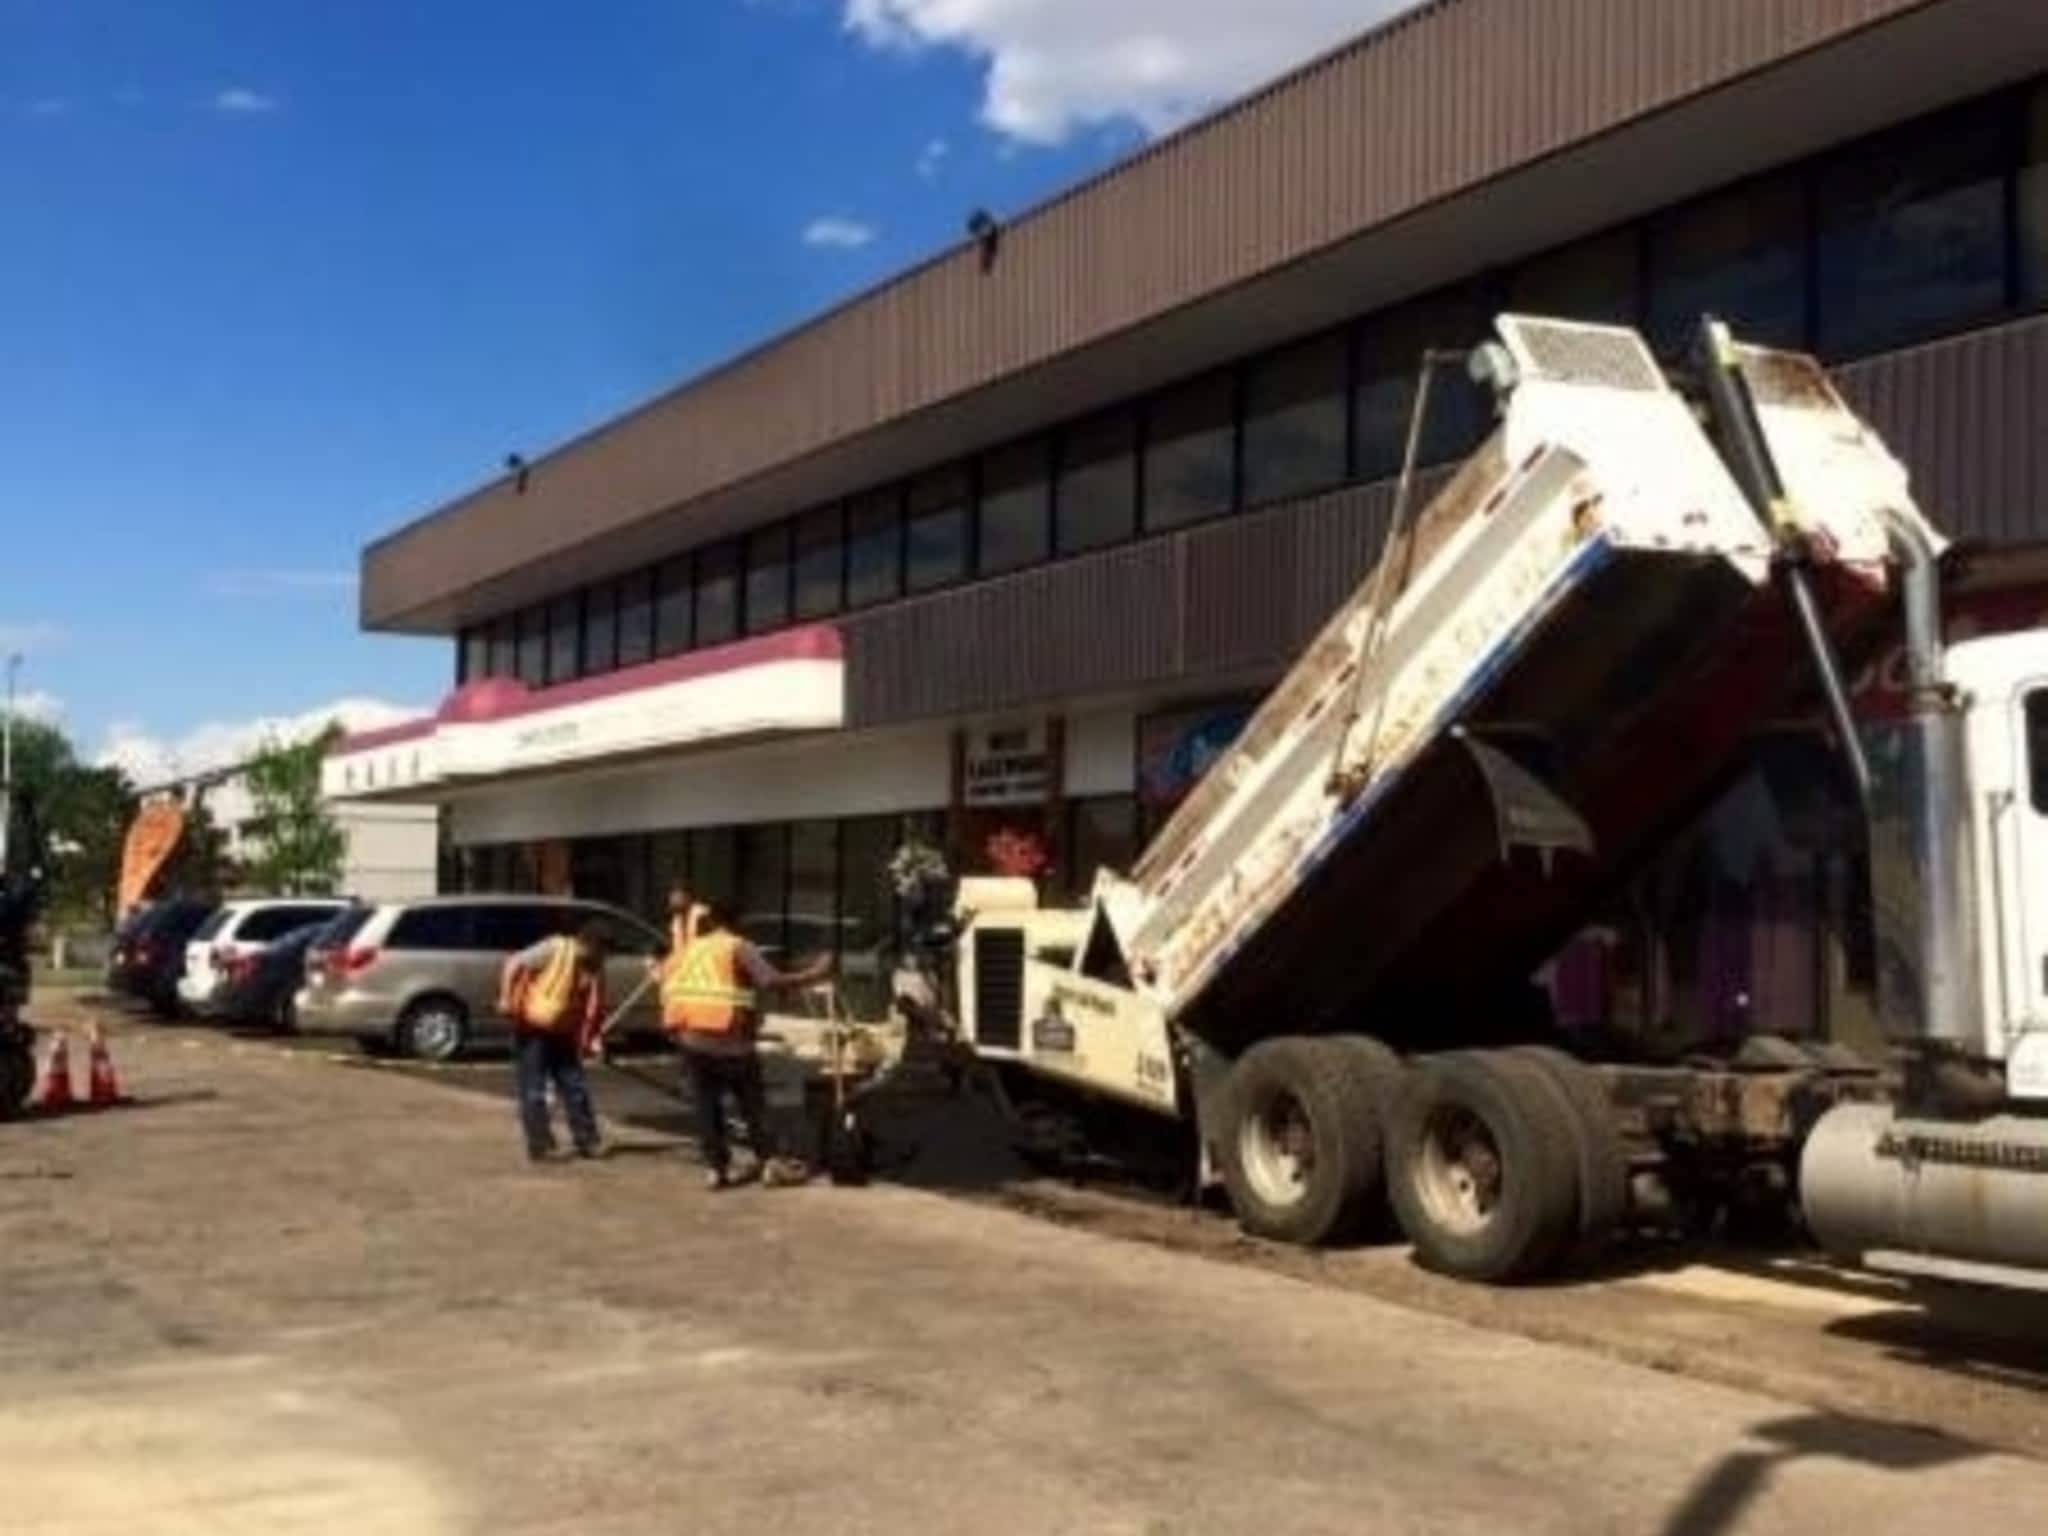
497, 728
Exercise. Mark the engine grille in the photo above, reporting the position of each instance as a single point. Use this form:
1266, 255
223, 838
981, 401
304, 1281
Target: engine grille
999, 988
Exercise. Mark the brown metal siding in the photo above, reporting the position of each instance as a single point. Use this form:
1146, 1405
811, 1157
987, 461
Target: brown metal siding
1970, 418
1438, 101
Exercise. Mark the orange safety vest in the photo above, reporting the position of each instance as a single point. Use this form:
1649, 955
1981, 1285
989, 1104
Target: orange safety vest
549, 997
702, 991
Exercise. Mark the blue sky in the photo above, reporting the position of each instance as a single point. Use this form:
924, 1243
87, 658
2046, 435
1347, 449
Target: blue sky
277, 275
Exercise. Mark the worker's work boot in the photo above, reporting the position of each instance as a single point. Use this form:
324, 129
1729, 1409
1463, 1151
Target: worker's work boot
781, 1172
716, 1179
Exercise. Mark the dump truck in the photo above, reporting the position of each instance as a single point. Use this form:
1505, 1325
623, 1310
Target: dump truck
1316, 982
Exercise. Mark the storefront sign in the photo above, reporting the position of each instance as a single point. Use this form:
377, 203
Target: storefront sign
1176, 748
1009, 765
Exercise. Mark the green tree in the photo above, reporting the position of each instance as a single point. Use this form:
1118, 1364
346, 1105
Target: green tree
297, 846
84, 812
198, 866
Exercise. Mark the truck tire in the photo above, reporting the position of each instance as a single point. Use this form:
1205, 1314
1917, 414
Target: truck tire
1300, 1142
1482, 1166
1368, 1075
1602, 1159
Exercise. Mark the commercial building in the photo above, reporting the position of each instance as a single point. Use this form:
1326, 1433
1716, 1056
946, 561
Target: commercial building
1002, 549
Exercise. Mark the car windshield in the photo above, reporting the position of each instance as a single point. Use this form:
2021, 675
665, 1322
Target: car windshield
211, 927
340, 928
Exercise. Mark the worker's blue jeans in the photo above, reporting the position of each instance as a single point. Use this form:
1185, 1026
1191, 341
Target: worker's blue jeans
544, 1059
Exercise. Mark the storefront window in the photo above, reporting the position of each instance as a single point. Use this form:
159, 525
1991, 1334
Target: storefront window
533, 647
1912, 239
715, 864
503, 650
874, 548
565, 638
1738, 255
1016, 507
636, 619
764, 886
820, 563
674, 601
867, 912
1295, 420
1191, 452
768, 578
2033, 201
813, 916
1101, 834
601, 629
473, 655
668, 864
1390, 353
1096, 502
935, 553
1599, 280
718, 594
597, 869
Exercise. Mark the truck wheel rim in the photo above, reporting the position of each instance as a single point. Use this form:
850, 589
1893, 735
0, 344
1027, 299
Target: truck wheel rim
1458, 1175
1276, 1147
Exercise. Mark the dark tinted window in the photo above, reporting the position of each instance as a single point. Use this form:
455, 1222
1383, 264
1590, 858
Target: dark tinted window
1912, 232
1296, 417
565, 638
343, 926
820, 563
503, 649
2037, 749
1738, 255
874, 548
1016, 507
1101, 834
506, 929
715, 863
268, 923
1390, 352
601, 628
210, 929
768, 578
431, 928
935, 540
533, 646
1191, 452
1096, 500
764, 883
813, 889
475, 659
718, 594
674, 595
1599, 279
2033, 201
636, 619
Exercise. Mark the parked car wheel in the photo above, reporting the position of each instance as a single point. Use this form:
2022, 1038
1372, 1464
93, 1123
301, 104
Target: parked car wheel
434, 1029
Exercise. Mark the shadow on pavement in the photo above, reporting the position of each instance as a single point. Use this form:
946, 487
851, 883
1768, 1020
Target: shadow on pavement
1992, 1338
1718, 1502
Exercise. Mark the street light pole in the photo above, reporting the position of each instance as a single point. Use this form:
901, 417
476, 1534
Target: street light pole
7, 763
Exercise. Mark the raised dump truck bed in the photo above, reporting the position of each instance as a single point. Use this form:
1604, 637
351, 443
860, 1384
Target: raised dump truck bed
1581, 630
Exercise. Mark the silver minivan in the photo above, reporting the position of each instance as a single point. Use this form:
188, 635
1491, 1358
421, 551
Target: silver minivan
420, 978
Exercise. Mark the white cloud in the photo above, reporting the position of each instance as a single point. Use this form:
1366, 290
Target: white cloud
39, 705
1055, 65
279, 582
834, 232
932, 158
32, 639
150, 759
241, 101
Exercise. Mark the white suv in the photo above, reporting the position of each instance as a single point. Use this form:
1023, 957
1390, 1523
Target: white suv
230, 940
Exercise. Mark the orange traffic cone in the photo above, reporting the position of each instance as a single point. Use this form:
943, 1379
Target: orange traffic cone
105, 1087
54, 1092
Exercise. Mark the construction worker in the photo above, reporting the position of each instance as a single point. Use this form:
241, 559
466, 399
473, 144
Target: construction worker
553, 993
685, 917
711, 992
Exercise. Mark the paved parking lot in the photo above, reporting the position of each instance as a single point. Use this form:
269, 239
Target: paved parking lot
282, 1295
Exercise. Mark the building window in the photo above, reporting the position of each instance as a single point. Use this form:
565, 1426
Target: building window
1739, 255
668, 865
867, 911
767, 578
1598, 279
674, 603
715, 863
565, 640
1912, 232
636, 619
718, 593
935, 539
2033, 202
1391, 347
764, 886
820, 563
1296, 419
473, 660
533, 647
812, 917
1016, 507
1191, 452
503, 650
600, 629
1095, 500
874, 548
1102, 833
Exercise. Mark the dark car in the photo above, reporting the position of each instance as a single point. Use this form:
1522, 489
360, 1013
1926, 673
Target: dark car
260, 988
149, 952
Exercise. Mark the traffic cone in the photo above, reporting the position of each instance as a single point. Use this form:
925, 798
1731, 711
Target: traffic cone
53, 1094
105, 1087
